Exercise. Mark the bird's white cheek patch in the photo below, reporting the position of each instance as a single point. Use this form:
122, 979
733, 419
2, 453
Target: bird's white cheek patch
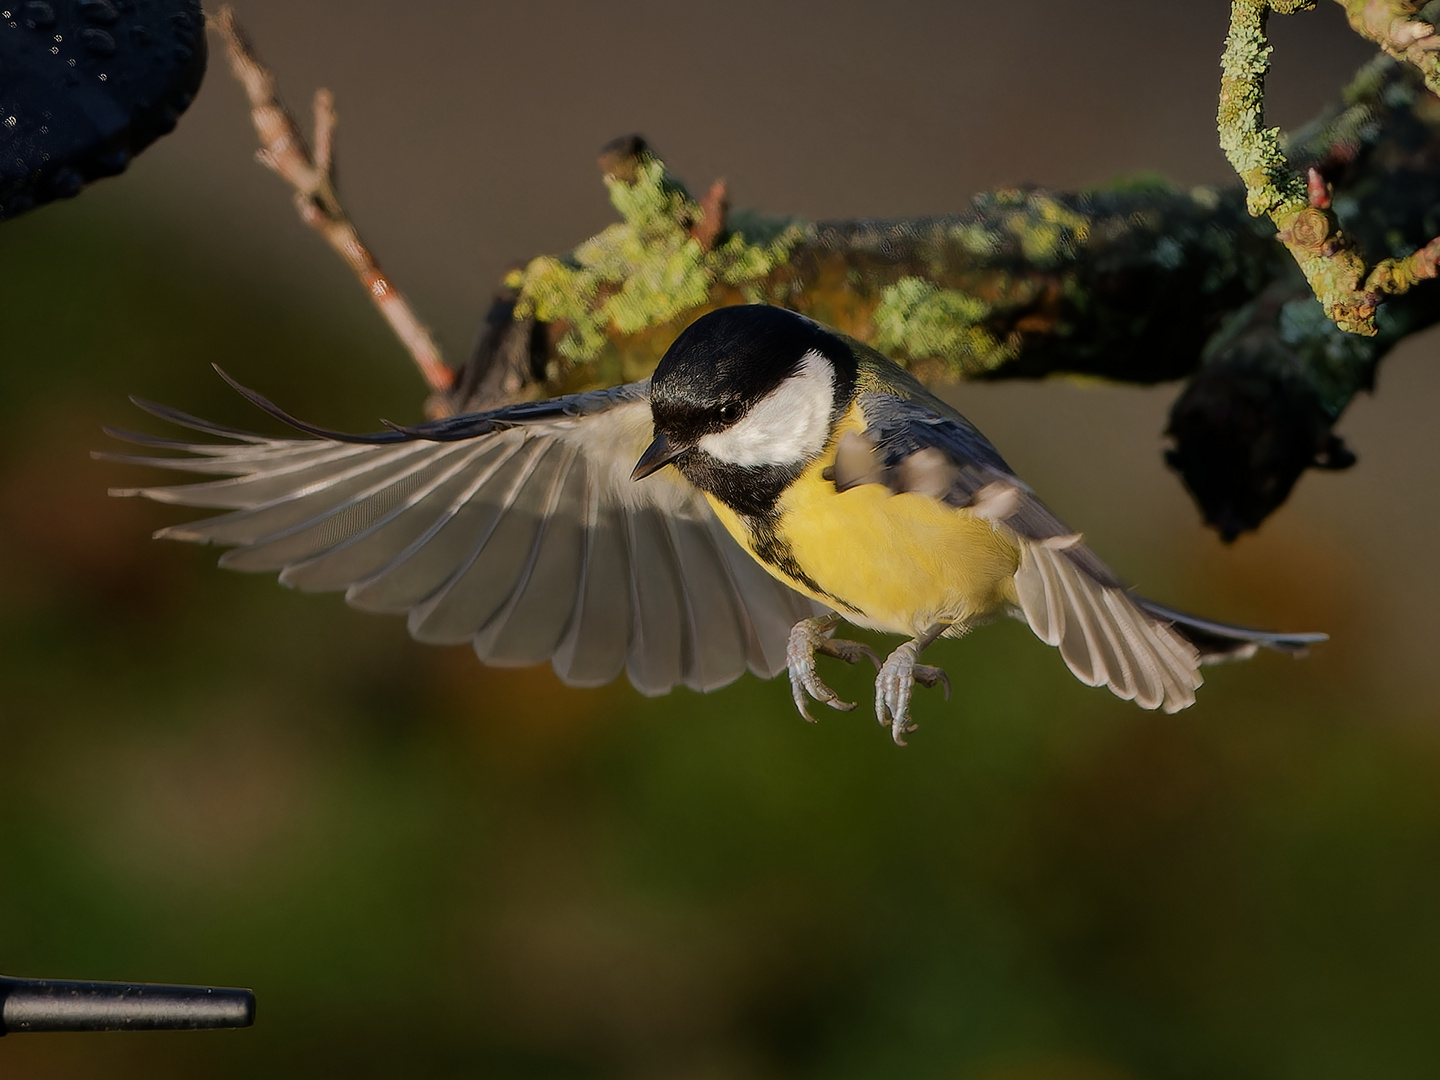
788, 425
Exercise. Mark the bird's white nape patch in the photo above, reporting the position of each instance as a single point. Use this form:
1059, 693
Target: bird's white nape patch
789, 425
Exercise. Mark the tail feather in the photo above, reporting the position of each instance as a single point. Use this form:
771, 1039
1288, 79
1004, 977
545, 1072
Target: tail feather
1142, 651
1218, 641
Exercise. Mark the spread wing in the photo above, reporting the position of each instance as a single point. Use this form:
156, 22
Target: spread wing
1107, 635
518, 530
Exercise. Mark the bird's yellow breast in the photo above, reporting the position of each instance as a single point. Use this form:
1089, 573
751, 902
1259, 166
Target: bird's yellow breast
893, 562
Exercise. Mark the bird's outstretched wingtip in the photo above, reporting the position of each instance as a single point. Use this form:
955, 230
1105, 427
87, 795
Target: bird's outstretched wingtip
265, 405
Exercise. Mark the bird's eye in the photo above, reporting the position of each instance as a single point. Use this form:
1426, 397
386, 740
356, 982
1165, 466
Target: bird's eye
729, 412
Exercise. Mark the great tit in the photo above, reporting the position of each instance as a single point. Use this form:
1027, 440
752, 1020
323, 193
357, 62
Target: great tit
772, 479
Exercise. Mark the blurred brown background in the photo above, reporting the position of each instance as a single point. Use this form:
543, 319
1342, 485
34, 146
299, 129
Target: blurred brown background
427, 868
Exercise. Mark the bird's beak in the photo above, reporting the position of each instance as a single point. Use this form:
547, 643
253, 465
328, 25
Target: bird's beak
659, 454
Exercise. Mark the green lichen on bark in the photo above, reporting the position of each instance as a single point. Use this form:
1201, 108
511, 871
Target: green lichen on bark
647, 269
1349, 290
1050, 231
917, 319
1003, 289
1253, 150
951, 293
1401, 29
1272, 187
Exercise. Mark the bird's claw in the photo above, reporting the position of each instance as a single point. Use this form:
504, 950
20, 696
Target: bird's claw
895, 684
931, 677
852, 652
811, 636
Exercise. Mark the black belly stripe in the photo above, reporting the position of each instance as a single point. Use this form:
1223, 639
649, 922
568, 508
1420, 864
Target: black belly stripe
775, 551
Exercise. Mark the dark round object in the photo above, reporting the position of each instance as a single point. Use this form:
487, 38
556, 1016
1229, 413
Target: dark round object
85, 85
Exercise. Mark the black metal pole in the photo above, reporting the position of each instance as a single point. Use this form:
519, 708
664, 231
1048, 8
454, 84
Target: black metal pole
55, 1005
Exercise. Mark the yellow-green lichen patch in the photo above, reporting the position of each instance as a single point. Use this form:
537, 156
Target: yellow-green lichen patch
1335, 271
977, 239
1053, 232
645, 270
1253, 150
918, 320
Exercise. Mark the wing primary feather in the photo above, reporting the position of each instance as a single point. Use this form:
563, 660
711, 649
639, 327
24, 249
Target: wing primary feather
281, 501
1149, 683
264, 404
1119, 673
1109, 665
1114, 668
340, 520
162, 442
562, 661
758, 657
353, 559
407, 578
528, 626
655, 658
462, 603
1054, 597
561, 410
1179, 674
719, 645
245, 462
595, 646
1080, 645
1030, 594
1103, 635
692, 663
186, 420
264, 489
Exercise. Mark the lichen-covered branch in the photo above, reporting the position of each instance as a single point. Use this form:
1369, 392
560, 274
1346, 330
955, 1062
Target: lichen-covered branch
1299, 204
1119, 283
1392, 24
283, 150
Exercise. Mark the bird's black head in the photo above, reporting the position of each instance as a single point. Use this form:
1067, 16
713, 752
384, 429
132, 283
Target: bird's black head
744, 399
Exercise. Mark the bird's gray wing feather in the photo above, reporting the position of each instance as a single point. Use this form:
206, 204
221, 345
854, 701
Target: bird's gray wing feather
1070, 599
517, 530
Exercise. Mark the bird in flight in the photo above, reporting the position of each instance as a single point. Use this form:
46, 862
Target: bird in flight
770, 481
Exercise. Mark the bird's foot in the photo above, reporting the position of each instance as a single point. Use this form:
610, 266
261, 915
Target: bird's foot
811, 636
895, 683
852, 652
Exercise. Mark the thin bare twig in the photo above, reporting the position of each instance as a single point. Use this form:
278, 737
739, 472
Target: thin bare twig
283, 150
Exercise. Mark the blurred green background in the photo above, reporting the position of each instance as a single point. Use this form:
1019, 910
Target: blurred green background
426, 868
